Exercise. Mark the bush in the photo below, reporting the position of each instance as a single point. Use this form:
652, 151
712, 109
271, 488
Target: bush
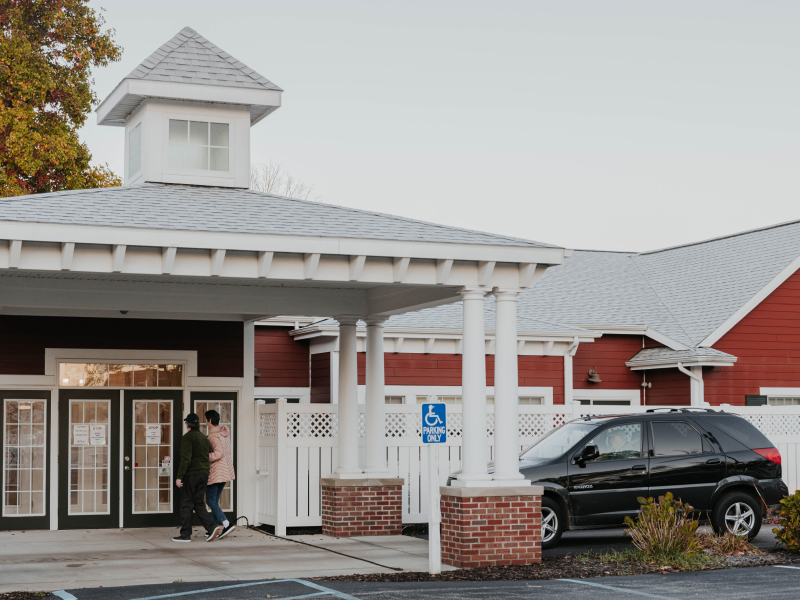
665, 529
788, 531
726, 544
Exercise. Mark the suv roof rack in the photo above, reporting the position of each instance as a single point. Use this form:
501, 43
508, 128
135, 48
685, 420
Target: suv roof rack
684, 410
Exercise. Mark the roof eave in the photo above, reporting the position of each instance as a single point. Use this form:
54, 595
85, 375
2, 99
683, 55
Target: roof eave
706, 361
265, 101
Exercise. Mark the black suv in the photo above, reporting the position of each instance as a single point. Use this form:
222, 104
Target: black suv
594, 469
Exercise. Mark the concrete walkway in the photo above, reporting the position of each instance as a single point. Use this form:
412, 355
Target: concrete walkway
57, 560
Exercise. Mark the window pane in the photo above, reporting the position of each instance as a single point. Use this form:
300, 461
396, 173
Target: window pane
219, 159
178, 132
135, 150
198, 158
198, 133
178, 156
619, 442
675, 439
741, 430
219, 134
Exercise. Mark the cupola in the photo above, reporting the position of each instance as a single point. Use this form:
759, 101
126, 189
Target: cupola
187, 112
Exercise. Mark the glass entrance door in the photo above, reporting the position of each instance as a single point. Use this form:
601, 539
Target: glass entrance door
152, 432
88, 459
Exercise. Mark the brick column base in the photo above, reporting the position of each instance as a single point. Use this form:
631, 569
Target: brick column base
361, 507
486, 526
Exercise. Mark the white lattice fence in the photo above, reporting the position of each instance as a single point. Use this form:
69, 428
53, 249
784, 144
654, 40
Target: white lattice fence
297, 446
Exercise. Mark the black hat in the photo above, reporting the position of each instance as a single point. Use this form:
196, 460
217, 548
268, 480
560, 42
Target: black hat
192, 418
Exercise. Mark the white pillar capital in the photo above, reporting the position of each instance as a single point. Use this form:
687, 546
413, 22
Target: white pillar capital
506, 294
473, 293
347, 319
375, 321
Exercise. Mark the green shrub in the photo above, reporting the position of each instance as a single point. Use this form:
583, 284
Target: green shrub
665, 529
788, 531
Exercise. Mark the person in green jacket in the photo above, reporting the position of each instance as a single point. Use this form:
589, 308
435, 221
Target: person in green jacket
192, 478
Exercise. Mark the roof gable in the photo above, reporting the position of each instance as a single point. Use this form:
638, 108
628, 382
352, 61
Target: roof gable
190, 58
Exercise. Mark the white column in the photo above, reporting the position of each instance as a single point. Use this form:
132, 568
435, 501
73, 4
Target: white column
248, 444
568, 382
506, 390
473, 393
696, 386
348, 399
375, 409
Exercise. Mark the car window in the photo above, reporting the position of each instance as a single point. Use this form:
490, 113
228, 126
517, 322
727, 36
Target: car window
619, 442
675, 438
740, 430
559, 440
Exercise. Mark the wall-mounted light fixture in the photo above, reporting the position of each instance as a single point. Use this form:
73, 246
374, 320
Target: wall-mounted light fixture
593, 376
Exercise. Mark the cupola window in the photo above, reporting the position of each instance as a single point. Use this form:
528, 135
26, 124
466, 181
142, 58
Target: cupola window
198, 145
135, 150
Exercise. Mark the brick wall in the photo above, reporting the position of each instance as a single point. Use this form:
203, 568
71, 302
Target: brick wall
494, 530
350, 510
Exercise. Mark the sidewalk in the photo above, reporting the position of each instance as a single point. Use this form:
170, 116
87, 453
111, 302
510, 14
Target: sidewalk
57, 560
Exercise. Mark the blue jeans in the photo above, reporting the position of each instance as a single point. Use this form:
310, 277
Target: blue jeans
213, 492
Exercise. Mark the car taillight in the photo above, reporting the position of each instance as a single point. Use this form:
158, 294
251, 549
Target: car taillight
771, 454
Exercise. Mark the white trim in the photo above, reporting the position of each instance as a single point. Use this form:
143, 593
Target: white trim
52, 356
634, 396
214, 382
3, 470
745, 309
410, 392
19, 381
701, 361
778, 392
633, 330
284, 392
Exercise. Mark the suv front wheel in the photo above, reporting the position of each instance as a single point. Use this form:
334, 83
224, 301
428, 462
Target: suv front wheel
552, 522
737, 513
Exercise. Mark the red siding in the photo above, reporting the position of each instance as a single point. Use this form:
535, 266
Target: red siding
607, 355
767, 344
670, 386
321, 378
543, 371
219, 344
281, 361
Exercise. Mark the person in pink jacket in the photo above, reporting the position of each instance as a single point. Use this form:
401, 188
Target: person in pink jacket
221, 459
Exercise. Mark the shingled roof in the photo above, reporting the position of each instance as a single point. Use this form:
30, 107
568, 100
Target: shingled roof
684, 293
232, 210
190, 58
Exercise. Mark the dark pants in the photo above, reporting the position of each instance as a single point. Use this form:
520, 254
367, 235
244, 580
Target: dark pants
193, 495
213, 492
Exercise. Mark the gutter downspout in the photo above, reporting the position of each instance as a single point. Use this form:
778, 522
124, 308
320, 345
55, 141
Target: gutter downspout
573, 348
697, 389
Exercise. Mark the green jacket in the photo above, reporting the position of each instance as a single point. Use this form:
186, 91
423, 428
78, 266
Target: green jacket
195, 449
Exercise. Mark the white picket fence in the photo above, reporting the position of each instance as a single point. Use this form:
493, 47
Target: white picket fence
297, 446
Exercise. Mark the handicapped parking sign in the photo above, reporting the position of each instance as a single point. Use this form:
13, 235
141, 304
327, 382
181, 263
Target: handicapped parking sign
434, 423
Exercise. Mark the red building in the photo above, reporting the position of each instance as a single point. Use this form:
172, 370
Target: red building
716, 321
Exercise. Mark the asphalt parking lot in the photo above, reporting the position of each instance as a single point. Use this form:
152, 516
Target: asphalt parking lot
764, 583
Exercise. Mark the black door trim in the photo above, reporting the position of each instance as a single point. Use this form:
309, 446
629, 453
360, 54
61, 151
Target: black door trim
211, 396
111, 520
42, 522
151, 519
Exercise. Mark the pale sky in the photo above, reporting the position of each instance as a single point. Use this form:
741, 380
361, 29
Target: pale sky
607, 125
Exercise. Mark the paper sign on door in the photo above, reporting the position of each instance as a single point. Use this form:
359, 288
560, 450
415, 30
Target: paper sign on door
80, 435
153, 434
97, 435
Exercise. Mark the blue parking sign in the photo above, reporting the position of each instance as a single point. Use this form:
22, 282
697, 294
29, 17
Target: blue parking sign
434, 423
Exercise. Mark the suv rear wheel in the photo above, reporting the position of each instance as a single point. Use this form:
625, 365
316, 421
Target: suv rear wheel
737, 513
552, 522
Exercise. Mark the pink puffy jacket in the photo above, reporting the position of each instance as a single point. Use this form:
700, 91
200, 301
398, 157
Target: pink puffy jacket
221, 457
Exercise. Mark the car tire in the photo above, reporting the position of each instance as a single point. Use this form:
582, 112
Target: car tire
552, 522
738, 513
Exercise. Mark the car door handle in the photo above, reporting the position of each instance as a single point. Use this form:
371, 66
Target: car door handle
713, 461
639, 468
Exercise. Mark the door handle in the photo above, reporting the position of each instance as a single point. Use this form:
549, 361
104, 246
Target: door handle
639, 468
713, 461
127, 468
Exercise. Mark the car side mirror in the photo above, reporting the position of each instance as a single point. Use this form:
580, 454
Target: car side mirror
589, 452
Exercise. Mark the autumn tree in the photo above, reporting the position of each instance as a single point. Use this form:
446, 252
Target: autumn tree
47, 51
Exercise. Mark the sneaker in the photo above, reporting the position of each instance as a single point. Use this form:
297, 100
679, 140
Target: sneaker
227, 530
181, 539
214, 534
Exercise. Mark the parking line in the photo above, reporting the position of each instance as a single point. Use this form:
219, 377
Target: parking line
784, 567
618, 589
64, 595
323, 591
